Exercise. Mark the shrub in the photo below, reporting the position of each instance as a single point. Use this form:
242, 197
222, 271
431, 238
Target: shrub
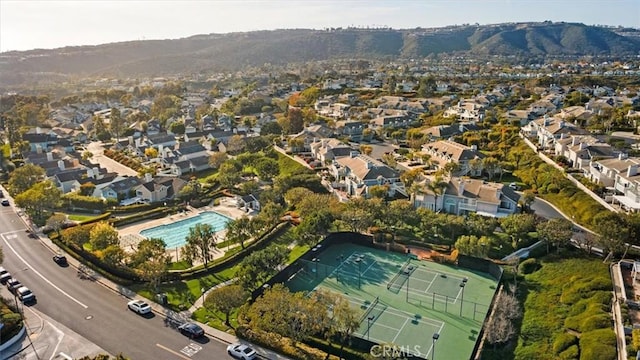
594, 322
635, 339
598, 344
529, 266
563, 342
571, 353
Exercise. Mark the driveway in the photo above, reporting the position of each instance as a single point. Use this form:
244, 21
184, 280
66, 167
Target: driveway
111, 165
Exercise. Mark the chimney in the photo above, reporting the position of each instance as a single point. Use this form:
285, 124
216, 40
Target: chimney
130, 140
562, 136
574, 140
96, 173
38, 130
561, 124
148, 177
474, 147
90, 173
460, 187
61, 164
49, 156
632, 170
353, 154
161, 151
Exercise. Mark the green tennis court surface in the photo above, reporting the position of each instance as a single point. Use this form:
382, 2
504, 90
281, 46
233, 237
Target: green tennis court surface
404, 301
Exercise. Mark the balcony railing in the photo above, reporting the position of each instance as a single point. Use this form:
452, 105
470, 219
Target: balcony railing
468, 204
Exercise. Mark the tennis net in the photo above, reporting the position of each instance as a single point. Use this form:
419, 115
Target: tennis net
369, 309
404, 271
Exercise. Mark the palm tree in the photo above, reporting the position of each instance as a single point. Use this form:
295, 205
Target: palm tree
437, 187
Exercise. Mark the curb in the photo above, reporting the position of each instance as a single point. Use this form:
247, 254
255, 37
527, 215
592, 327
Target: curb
18, 337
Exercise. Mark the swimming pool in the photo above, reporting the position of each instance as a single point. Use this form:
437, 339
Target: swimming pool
174, 234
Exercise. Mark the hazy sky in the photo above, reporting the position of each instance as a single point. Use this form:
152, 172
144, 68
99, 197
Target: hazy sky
29, 24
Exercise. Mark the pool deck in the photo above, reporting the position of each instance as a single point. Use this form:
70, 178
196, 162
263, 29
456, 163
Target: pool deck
130, 234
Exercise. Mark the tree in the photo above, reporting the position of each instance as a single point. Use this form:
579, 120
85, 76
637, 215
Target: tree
235, 144
314, 226
201, 242
77, 236
112, 254
295, 121
271, 128
103, 235
437, 186
25, 177
267, 169
151, 153
225, 299
557, 232
259, 266
217, 159
491, 165
472, 245
116, 123
613, 232
41, 196
177, 127
151, 260
86, 155
239, 230
56, 221
528, 197
517, 226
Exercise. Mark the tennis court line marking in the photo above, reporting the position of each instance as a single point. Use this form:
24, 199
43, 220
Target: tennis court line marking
456, 299
368, 267
438, 273
400, 330
396, 312
431, 283
342, 263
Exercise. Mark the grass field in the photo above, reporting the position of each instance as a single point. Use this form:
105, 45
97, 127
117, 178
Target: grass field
404, 301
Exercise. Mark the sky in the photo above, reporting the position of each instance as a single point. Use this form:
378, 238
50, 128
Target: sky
30, 24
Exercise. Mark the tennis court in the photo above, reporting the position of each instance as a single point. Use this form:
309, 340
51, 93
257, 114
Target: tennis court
403, 301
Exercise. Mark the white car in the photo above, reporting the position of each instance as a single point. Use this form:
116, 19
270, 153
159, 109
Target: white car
241, 351
139, 307
25, 295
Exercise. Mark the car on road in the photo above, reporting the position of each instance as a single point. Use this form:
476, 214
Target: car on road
5, 202
191, 330
241, 351
25, 295
4, 276
13, 285
138, 306
60, 260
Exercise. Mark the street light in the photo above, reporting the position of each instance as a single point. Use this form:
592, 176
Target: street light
433, 345
359, 261
369, 320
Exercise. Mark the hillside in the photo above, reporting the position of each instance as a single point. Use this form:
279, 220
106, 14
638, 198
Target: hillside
219, 52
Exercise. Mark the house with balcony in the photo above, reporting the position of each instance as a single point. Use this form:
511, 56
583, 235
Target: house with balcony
550, 129
462, 196
159, 189
581, 150
120, 189
357, 173
627, 187
352, 129
604, 171
443, 152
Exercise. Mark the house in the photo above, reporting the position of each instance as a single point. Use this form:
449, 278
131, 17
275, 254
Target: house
461, 196
391, 122
357, 173
161, 139
604, 171
548, 130
326, 150
445, 132
40, 141
159, 189
446, 151
627, 187
581, 150
353, 129
248, 202
189, 149
120, 189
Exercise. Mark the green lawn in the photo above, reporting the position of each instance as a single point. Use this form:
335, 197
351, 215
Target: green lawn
288, 165
81, 217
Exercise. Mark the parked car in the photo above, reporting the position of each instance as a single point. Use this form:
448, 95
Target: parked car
5, 202
191, 330
60, 260
25, 295
1, 194
4, 277
241, 351
139, 306
13, 285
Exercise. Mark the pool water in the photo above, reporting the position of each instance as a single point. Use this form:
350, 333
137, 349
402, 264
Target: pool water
174, 234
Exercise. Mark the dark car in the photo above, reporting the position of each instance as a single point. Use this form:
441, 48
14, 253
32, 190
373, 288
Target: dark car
4, 276
60, 260
5, 202
191, 330
13, 285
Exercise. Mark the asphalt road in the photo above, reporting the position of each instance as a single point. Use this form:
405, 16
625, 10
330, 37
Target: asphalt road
90, 309
542, 208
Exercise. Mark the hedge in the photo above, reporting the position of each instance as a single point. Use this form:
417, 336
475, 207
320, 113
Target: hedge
150, 214
598, 344
563, 342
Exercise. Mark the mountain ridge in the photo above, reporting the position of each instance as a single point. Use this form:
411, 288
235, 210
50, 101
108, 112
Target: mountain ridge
233, 51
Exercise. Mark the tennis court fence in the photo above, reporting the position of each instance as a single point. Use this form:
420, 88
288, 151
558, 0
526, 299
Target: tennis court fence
400, 278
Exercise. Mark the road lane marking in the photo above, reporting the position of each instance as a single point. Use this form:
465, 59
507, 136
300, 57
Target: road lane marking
42, 276
173, 352
191, 349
